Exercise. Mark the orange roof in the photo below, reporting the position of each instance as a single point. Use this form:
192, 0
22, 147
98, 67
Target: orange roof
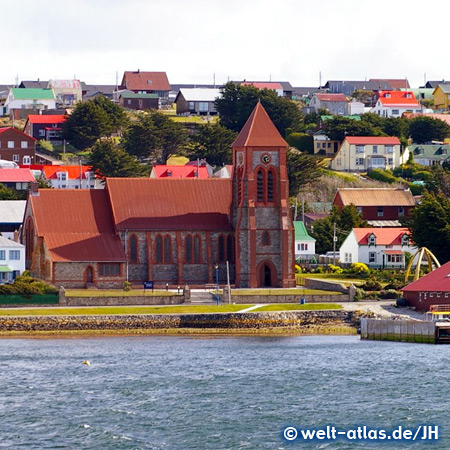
331, 97
271, 85
76, 225
372, 140
146, 81
73, 172
170, 204
259, 131
170, 171
47, 118
384, 236
16, 175
376, 197
390, 98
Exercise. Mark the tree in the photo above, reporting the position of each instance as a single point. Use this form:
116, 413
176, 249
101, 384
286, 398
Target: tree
238, 101
339, 127
91, 120
429, 223
302, 169
154, 137
11, 194
426, 129
439, 181
109, 160
212, 142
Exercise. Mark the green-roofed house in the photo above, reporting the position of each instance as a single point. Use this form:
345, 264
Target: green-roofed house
430, 154
133, 100
305, 245
23, 101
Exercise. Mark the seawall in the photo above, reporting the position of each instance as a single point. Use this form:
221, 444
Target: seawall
229, 321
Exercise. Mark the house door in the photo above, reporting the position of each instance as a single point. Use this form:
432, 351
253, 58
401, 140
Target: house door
89, 275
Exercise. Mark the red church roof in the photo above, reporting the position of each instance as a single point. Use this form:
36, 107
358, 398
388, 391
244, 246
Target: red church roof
384, 236
170, 204
259, 131
437, 280
79, 227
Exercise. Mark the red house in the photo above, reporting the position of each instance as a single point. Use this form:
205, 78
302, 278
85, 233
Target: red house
17, 146
377, 205
432, 289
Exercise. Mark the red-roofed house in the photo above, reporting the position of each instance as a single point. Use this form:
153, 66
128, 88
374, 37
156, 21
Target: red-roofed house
17, 146
432, 289
396, 84
172, 230
164, 171
146, 83
272, 86
363, 153
337, 104
71, 177
377, 247
47, 127
396, 103
17, 179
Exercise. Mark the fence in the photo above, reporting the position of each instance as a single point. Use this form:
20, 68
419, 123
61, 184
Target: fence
44, 299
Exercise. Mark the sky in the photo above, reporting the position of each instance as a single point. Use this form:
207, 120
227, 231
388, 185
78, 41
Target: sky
199, 41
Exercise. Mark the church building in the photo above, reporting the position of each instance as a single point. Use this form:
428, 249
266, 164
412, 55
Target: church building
175, 231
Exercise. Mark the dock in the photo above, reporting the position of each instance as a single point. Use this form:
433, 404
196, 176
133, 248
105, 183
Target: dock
419, 331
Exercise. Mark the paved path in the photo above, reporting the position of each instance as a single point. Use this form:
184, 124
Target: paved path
385, 308
251, 308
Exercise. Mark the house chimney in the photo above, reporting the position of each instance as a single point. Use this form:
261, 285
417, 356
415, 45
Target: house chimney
16, 236
34, 188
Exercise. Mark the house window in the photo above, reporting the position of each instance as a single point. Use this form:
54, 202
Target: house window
401, 211
2, 255
360, 161
372, 240
394, 259
347, 257
304, 247
270, 186
298, 247
26, 160
197, 249
380, 212
62, 176
405, 239
10, 144
16, 158
188, 249
203, 106
109, 270
259, 186
360, 148
24, 144
265, 238
41, 133
133, 249
372, 258
191, 106
389, 149
129, 102
390, 161
395, 112
375, 149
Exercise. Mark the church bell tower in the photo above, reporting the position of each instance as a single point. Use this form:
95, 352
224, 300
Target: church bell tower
260, 211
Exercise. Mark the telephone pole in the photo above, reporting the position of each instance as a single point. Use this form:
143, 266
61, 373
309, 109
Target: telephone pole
334, 243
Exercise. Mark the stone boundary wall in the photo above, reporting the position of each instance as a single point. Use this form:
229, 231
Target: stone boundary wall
285, 298
314, 283
177, 321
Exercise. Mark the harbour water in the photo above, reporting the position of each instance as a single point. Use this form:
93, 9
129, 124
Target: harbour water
183, 393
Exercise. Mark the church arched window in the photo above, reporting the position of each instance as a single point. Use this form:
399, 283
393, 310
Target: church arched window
167, 249
133, 249
159, 249
259, 186
221, 249
188, 249
265, 238
270, 186
197, 249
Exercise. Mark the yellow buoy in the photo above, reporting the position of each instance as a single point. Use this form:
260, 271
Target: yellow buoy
87, 362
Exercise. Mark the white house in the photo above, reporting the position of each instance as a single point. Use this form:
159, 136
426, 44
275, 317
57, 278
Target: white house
72, 177
12, 259
395, 103
305, 245
362, 153
29, 99
377, 247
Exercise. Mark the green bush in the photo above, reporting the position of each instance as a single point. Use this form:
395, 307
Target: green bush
127, 286
301, 141
382, 175
390, 294
359, 295
371, 285
27, 286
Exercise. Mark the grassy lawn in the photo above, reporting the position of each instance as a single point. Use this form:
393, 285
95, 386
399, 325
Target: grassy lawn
121, 310
298, 307
117, 293
282, 292
335, 277
344, 176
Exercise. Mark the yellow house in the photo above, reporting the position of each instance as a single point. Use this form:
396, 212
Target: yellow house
441, 97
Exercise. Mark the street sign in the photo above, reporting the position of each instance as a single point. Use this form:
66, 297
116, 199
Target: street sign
149, 285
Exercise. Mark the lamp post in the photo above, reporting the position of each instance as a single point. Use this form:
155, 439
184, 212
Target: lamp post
217, 283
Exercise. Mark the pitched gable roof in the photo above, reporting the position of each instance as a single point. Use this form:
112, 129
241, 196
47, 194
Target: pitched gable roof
16, 176
437, 280
15, 130
32, 94
301, 234
391, 98
331, 97
146, 81
199, 94
263, 85
375, 197
170, 204
384, 236
73, 172
46, 118
396, 84
372, 140
76, 225
259, 131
